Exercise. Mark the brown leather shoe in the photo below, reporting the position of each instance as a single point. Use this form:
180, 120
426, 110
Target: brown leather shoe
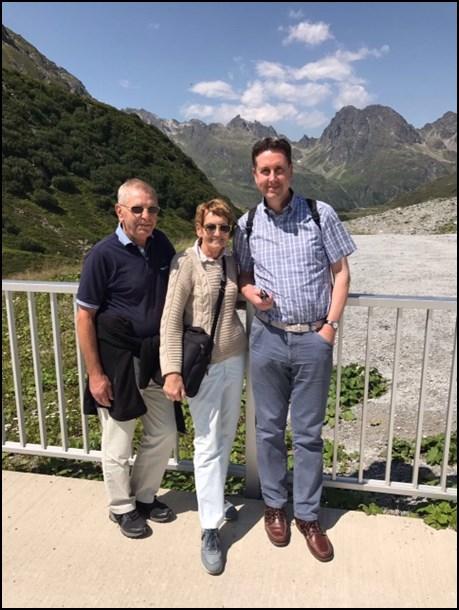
277, 526
316, 539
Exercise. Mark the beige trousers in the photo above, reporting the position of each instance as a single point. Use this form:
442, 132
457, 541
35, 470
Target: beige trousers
159, 433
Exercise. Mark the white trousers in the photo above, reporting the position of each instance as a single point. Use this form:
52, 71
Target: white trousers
158, 440
215, 412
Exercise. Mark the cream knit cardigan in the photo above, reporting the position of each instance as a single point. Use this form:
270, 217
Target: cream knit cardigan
191, 297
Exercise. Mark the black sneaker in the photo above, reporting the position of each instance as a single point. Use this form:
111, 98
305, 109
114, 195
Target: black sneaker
156, 511
131, 524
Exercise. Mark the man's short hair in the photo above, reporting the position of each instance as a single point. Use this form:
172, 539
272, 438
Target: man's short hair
274, 144
135, 183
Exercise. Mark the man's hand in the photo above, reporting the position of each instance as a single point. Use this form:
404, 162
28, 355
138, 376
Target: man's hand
258, 297
328, 333
101, 389
173, 387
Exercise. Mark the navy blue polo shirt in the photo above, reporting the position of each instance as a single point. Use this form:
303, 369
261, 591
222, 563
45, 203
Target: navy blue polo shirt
123, 279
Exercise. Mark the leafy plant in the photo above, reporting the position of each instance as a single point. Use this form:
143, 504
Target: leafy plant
371, 509
439, 514
352, 390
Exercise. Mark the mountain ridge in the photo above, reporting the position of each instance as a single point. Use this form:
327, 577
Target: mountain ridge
363, 158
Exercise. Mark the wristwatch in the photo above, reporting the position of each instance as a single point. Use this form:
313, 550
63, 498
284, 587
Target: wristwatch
333, 323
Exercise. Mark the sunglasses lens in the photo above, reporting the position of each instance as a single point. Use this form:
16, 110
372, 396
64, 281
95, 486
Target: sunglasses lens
211, 228
138, 209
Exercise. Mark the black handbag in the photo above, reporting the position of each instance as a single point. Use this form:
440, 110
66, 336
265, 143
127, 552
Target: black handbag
198, 345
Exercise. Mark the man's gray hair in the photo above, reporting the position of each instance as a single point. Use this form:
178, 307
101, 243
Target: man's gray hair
135, 184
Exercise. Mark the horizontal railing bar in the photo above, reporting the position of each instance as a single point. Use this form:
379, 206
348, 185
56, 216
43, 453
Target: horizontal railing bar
28, 286
238, 470
95, 455
396, 488
354, 299
402, 301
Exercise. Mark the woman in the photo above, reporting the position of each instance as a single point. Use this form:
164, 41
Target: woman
191, 298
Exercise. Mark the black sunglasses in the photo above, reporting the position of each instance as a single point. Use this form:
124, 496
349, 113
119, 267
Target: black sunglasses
138, 209
211, 228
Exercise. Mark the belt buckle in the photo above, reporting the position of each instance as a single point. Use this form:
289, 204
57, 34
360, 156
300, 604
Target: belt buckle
299, 328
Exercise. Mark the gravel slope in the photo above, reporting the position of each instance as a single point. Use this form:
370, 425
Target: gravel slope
411, 265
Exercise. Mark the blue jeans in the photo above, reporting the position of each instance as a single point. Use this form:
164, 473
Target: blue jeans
290, 368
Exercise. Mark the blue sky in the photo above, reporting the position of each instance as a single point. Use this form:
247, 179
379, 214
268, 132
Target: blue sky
290, 65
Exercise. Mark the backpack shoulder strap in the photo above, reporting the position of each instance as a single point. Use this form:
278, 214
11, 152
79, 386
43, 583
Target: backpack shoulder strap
312, 203
249, 225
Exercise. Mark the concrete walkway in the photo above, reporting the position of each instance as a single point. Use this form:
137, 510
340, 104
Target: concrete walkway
61, 551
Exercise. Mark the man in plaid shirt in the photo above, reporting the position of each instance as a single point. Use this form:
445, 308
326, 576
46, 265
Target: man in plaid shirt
292, 256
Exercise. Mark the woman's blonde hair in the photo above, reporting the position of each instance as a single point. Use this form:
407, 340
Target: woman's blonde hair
214, 206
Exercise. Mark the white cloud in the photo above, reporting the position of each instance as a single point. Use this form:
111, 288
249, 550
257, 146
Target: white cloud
308, 33
328, 68
309, 94
352, 94
282, 93
199, 111
254, 95
269, 69
335, 67
216, 88
295, 14
265, 113
126, 84
311, 120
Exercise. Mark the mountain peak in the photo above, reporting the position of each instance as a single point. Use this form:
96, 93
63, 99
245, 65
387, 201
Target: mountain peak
20, 56
258, 130
354, 132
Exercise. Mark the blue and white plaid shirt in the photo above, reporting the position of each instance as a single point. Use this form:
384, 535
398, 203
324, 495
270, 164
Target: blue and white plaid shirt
291, 257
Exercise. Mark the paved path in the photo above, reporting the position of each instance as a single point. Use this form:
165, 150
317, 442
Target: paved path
61, 551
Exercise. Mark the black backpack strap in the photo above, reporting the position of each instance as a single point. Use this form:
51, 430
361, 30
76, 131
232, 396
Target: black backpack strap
221, 294
249, 225
312, 203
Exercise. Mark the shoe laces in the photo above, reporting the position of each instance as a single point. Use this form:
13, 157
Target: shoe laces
132, 515
211, 540
271, 514
310, 527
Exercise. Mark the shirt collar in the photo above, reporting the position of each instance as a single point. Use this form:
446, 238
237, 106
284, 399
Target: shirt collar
125, 240
207, 259
288, 208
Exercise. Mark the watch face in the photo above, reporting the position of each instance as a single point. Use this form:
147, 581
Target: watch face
333, 324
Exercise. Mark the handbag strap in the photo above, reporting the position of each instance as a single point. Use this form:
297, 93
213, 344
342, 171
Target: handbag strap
221, 294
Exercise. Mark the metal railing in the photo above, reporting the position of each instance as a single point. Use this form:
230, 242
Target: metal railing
359, 481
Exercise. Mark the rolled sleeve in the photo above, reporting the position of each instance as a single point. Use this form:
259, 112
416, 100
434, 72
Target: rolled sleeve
337, 241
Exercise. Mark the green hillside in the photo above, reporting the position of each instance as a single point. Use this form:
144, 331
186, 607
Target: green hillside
64, 157
442, 188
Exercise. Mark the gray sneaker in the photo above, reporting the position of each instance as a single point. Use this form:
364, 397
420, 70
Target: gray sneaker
230, 511
211, 552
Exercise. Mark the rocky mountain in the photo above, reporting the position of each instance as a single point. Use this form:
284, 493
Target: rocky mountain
223, 152
363, 158
18, 55
442, 134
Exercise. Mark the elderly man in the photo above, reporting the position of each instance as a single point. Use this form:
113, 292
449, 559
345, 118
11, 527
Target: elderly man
120, 301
